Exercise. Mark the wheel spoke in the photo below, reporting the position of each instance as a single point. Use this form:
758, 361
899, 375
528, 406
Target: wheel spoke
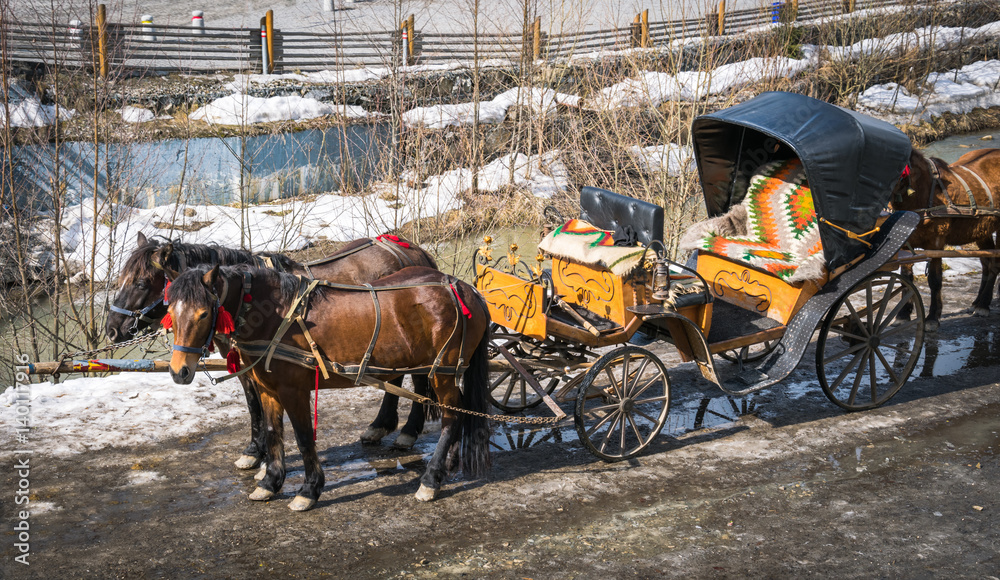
888, 367
503, 377
857, 379
886, 297
635, 430
846, 351
898, 348
607, 436
868, 304
523, 383
646, 386
650, 400
634, 378
843, 332
614, 383
646, 417
873, 371
896, 309
856, 318
601, 423
603, 408
843, 373
905, 326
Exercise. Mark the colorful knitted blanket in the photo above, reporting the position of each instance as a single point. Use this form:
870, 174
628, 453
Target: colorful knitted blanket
581, 242
781, 232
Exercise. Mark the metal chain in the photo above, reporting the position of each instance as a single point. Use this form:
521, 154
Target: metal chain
500, 418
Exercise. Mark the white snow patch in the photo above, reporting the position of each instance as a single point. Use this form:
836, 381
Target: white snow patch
136, 115
240, 109
540, 101
143, 476
32, 113
670, 158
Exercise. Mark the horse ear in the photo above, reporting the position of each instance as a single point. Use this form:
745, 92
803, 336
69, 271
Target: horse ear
141, 240
211, 276
161, 256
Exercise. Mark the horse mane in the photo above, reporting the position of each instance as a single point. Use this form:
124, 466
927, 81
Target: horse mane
139, 264
189, 287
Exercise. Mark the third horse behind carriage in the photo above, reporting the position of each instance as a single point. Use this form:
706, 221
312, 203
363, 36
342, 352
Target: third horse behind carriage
796, 242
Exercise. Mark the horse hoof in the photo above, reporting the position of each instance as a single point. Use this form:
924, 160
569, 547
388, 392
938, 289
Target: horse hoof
260, 472
374, 435
247, 462
425, 493
980, 311
261, 494
404, 442
301, 504
931, 325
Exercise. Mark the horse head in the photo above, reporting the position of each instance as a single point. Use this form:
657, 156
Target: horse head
913, 191
139, 301
193, 314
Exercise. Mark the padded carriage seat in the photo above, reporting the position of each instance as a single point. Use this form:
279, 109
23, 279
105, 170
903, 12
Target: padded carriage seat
775, 228
611, 211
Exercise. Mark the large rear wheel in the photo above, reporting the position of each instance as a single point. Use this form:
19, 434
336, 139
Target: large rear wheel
622, 403
865, 354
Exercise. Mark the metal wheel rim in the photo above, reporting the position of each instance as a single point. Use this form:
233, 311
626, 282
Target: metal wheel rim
616, 419
864, 355
768, 346
510, 392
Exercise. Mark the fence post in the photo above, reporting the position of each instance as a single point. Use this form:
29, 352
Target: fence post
536, 39
849, 6
795, 11
644, 39
722, 17
636, 31
102, 39
404, 43
147, 28
198, 22
411, 41
327, 5
265, 60
269, 22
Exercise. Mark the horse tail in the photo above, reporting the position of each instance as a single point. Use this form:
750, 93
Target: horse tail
421, 386
476, 459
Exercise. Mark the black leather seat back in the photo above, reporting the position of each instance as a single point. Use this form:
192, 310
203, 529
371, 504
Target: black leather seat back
611, 211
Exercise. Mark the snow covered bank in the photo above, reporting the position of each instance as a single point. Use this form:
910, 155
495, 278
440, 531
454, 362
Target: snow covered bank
956, 91
293, 224
540, 101
670, 158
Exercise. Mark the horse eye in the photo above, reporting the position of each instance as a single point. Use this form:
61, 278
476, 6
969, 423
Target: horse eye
142, 285
202, 315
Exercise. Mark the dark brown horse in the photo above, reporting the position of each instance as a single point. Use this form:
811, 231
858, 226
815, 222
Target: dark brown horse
139, 304
931, 187
421, 318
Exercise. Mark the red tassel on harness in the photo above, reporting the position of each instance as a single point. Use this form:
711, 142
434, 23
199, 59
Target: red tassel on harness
167, 322
465, 310
233, 362
906, 171
393, 239
166, 296
224, 322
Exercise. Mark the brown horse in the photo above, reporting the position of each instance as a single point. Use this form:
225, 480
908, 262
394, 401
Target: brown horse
933, 184
139, 304
421, 318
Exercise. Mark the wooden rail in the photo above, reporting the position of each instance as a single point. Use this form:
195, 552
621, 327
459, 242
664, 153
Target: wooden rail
108, 47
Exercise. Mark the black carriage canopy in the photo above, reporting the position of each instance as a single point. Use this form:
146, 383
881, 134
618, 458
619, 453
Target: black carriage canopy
851, 161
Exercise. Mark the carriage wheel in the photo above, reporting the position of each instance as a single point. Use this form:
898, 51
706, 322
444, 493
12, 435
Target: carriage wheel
622, 403
511, 393
864, 354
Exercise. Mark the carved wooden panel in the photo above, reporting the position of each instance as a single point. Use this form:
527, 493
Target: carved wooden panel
513, 303
594, 288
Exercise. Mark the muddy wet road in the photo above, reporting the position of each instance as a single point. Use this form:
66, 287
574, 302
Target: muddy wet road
777, 484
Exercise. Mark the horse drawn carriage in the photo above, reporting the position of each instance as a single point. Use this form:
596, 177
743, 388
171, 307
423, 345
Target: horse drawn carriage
797, 240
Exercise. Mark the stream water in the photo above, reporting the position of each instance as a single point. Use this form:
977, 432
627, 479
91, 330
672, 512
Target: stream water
273, 166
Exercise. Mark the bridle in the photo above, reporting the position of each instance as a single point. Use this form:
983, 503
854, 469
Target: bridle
140, 315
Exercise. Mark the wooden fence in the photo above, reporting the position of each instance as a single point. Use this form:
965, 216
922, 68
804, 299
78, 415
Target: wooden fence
103, 46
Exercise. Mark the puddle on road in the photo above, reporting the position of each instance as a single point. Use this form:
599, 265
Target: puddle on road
946, 357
